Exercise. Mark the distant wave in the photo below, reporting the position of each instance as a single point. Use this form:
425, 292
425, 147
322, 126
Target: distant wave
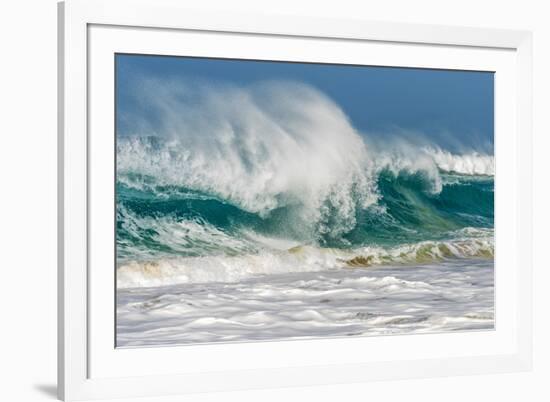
472, 163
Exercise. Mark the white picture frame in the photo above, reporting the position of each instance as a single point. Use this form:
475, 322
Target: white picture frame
90, 367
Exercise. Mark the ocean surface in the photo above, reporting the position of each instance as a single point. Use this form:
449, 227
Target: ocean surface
261, 222
455, 295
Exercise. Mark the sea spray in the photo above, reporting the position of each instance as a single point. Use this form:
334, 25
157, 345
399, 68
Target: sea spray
228, 176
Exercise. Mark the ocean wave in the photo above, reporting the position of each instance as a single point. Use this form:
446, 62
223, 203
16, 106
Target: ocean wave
305, 203
469, 243
259, 155
274, 178
151, 236
274, 146
180, 222
471, 163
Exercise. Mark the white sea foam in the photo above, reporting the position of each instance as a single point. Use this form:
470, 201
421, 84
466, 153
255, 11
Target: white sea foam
447, 296
224, 268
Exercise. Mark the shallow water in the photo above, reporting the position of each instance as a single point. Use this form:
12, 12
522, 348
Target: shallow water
455, 295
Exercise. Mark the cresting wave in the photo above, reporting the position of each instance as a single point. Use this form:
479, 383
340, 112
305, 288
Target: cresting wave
271, 146
472, 163
274, 178
259, 151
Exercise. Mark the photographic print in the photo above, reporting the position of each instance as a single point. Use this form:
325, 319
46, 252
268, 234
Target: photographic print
267, 200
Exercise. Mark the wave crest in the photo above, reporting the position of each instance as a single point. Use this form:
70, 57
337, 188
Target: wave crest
472, 163
261, 155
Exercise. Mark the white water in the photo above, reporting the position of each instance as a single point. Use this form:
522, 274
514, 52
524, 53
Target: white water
224, 268
454, 295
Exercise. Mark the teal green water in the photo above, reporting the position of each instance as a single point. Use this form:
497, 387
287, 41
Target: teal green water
160, 220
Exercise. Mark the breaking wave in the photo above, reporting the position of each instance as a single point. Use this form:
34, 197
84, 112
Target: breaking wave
275, 179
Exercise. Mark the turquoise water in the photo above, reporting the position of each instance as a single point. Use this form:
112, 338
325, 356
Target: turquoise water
163, 213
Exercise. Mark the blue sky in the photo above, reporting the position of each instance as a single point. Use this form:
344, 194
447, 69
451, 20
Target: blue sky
448, 107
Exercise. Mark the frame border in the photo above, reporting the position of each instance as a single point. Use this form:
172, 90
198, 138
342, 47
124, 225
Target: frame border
74, 16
